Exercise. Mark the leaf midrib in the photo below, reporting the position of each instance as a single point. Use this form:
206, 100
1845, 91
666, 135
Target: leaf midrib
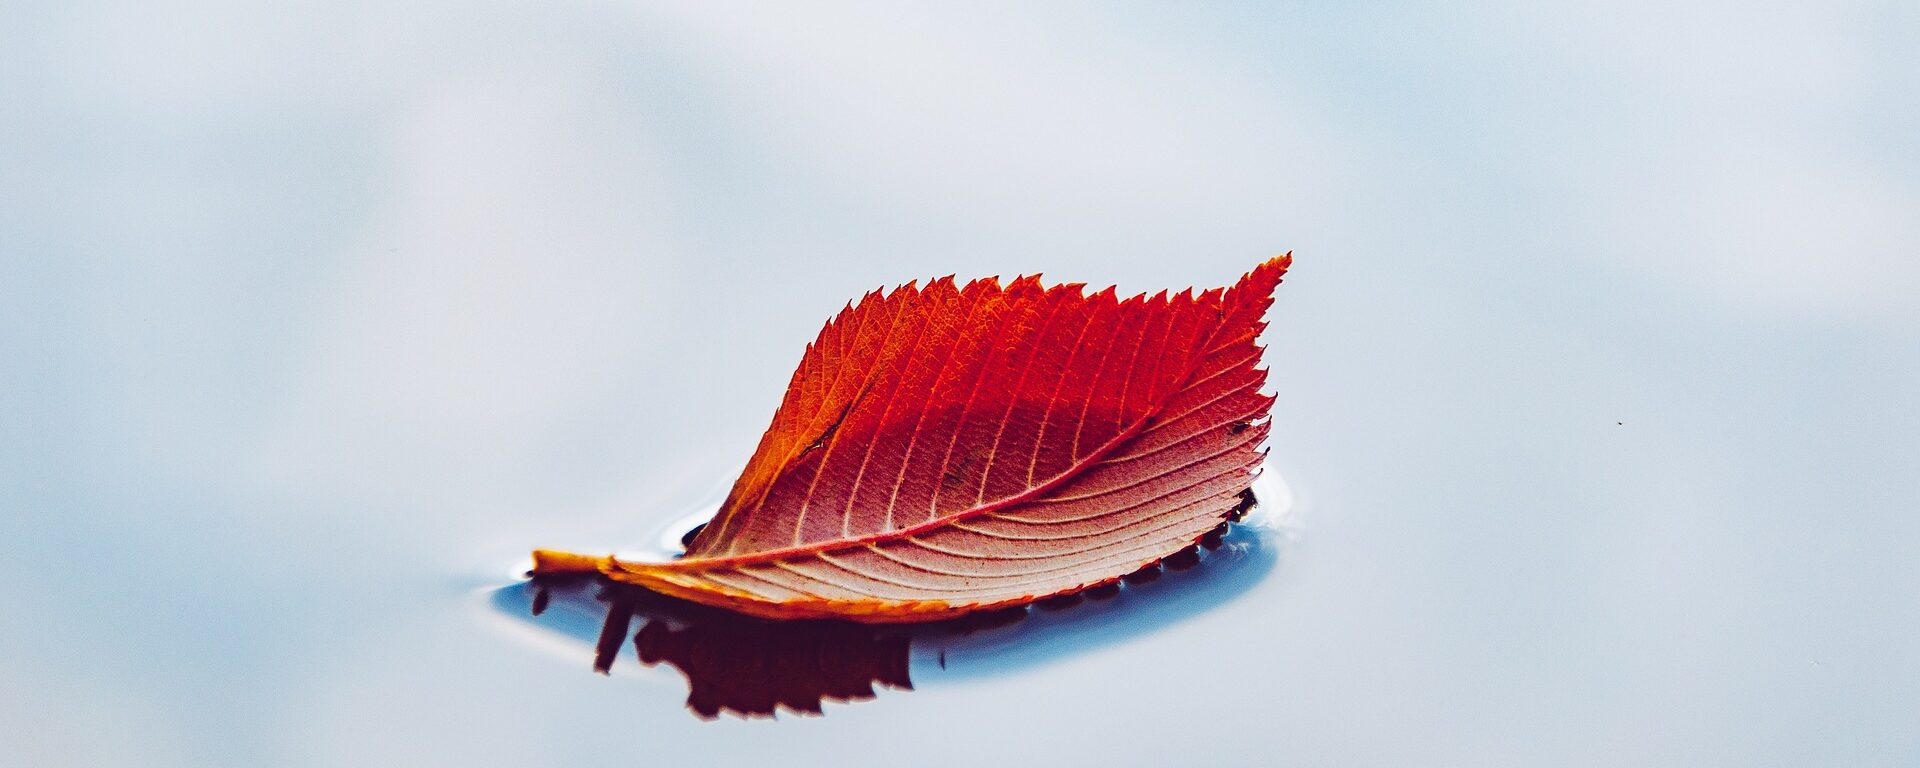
831, 545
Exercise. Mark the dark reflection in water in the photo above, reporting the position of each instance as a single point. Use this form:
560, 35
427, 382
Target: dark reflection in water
735, 663
754, 667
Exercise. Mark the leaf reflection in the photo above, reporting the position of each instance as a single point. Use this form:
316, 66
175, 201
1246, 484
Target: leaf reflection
749, 666
755, 667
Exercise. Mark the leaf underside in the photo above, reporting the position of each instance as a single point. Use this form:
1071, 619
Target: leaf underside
942, 450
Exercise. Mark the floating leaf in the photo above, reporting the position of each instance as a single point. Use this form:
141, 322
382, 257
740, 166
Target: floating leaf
947, 450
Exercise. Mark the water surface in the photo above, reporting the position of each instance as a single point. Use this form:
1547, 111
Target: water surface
1596, 370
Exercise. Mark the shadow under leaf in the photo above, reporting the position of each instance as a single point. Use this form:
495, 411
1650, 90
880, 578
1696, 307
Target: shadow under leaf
755, 667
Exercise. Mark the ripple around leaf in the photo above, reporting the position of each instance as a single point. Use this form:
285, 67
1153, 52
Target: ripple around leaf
754, 667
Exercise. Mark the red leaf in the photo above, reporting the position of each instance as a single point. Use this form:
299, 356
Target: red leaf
946, 450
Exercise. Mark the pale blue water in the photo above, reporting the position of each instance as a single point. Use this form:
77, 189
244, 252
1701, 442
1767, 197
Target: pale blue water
1597, 370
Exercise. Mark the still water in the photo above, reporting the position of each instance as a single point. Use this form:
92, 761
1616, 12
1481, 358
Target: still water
1596, 372
751, 668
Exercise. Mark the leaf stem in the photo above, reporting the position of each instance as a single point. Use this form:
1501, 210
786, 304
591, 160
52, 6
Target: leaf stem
549, 561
